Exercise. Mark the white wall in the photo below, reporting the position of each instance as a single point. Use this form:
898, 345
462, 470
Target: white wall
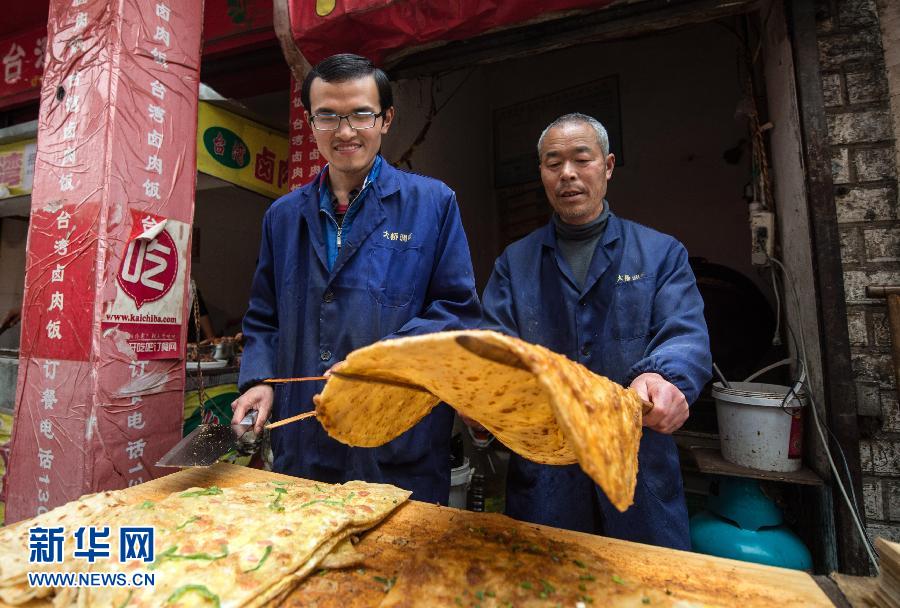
457, 150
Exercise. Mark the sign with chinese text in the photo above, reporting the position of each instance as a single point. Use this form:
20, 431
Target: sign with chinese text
306, 162
17, 167
241, 151
112, 201
22, 55
149, 305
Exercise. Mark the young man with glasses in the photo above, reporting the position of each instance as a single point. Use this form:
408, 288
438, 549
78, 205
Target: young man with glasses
363, 253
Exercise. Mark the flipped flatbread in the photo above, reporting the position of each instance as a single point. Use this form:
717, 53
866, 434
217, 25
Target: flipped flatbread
555, 411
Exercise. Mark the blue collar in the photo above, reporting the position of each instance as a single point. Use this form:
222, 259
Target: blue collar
325, 190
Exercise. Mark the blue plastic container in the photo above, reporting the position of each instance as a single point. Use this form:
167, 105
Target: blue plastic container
743, 523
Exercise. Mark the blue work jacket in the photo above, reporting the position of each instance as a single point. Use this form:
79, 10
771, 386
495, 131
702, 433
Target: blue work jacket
403, 269
638, 311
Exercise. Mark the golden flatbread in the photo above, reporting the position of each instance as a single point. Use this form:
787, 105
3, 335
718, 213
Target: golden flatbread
244, 546
248, 545
554, 411
14, 566
494, 565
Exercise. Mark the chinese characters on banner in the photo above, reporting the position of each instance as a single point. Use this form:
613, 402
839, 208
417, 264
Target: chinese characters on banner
100, 377
22, 56
305, 163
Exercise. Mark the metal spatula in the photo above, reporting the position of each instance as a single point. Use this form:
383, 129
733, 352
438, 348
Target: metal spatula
203, 446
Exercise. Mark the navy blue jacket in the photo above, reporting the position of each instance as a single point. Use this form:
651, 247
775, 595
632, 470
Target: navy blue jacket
638, 311
403, 269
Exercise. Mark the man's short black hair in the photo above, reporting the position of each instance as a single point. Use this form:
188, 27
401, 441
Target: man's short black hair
344, 67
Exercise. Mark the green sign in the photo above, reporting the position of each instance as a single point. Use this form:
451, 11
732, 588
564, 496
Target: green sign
226, 147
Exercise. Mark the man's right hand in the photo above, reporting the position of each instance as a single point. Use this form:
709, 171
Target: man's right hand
258, 398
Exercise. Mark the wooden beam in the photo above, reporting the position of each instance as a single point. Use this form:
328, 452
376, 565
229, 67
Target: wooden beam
228, 75
281, 19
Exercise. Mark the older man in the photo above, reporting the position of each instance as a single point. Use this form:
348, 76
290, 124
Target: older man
620, 299
362, 253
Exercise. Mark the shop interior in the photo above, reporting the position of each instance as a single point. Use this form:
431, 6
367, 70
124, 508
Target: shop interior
676, 106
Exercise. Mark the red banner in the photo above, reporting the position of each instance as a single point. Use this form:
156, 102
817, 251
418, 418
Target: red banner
232, 24
228, 25
305, 161
101, 379
376, 28
23, 64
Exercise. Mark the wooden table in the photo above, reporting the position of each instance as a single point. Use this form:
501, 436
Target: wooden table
703, 579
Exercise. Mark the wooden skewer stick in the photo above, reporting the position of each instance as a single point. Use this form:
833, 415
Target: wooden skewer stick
646, 408
275, 425
286, 380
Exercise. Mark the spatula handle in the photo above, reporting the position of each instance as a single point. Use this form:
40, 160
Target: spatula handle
249, 419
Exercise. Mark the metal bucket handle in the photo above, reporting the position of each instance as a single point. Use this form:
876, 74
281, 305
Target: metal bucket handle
792, 390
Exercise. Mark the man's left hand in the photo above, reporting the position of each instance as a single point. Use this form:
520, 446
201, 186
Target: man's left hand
670, 408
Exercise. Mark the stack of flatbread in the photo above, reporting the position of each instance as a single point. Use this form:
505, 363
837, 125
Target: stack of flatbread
245, 546
14, 552
540, 404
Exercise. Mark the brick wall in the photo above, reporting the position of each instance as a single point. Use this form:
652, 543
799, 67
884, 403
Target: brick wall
857, 94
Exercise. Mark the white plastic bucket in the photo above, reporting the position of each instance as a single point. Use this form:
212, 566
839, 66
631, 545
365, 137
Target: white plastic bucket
754, 430
460, 477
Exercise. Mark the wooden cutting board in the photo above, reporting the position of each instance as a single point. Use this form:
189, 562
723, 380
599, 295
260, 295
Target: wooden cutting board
698, 579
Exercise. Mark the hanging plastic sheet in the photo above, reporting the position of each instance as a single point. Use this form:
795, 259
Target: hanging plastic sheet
377, 28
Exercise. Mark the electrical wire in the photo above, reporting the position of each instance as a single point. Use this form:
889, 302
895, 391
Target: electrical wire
792, 391
776, 337
801, 349
788, 397
764, 186
802, 360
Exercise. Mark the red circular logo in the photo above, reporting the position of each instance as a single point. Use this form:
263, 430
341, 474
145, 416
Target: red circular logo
149, 268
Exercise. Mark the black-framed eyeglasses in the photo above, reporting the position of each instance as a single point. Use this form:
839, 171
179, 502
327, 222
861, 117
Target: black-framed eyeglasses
356, 120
